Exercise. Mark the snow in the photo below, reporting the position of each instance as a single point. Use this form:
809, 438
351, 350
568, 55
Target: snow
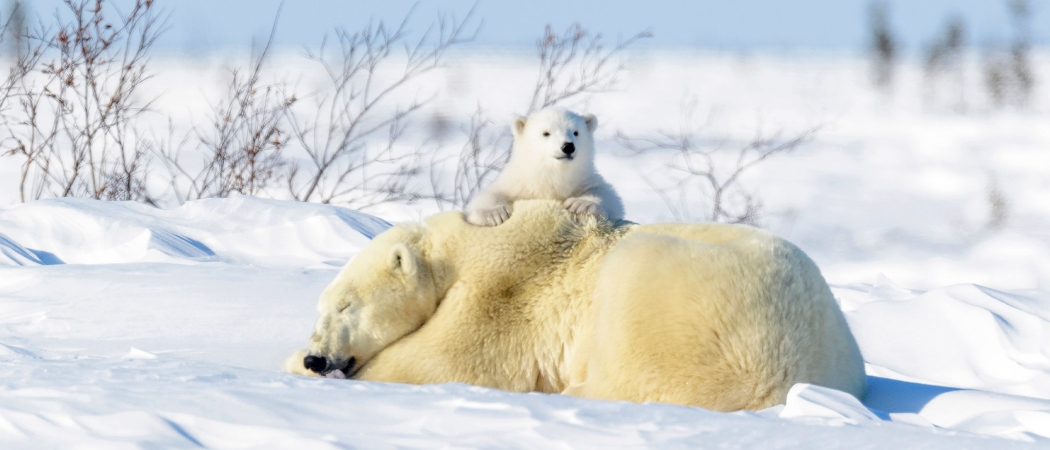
128, 326
205, 231
122, 349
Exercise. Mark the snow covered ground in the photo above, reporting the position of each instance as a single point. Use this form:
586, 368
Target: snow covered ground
122, 324
166, 328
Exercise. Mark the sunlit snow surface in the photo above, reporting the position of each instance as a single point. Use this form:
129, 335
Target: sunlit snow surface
123, 324
126, 347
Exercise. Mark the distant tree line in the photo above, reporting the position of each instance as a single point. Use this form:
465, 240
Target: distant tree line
1006, 69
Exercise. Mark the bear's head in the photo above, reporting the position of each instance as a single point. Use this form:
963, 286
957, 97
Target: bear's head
386, 292
555, 137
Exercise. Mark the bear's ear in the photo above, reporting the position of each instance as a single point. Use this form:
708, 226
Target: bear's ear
518, 126
592, 122
403, 260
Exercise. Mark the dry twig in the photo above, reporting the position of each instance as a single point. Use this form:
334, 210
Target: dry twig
350, 136
709, 167
243, 143
576, 62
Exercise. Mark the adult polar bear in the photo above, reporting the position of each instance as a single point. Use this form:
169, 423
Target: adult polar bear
725, 317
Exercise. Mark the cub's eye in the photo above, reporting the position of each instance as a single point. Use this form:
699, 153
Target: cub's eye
575, 133
546, 133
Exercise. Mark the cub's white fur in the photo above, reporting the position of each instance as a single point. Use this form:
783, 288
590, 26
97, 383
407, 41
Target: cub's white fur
539, 168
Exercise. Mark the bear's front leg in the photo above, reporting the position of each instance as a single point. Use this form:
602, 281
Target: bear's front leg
585, 204
294, 364
488, 210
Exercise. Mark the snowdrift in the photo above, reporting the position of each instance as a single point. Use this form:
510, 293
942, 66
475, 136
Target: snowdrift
126, 324
239, 230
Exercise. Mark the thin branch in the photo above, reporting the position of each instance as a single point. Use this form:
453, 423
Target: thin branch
351, 146
709, 167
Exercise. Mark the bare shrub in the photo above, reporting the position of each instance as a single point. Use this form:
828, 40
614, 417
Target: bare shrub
13, 30
883, 46
1008, 75
997, 78
573, 64
241, 147
13, 27
75, 125
944, 63
710, 167
480, 160
439, 127
998, 205
77, 102
14, 38
1021, 12
350, 135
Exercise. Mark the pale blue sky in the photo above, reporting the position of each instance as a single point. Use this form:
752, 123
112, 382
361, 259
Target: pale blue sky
200, 25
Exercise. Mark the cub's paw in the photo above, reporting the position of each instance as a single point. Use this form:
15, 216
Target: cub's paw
579, 205
489, 217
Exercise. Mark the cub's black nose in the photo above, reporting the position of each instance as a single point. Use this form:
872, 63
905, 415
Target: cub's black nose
315, 363
567, 148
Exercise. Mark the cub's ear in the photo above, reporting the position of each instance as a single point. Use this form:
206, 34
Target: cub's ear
403, 260
592, 122
518, 126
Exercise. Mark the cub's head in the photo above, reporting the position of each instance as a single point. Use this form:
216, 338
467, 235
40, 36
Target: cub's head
384, 293
555, 136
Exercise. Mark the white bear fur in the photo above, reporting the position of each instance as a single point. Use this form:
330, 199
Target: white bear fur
539, 170
725, 317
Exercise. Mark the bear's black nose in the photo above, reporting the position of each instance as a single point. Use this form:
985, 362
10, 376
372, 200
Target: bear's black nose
315, 363
567, 148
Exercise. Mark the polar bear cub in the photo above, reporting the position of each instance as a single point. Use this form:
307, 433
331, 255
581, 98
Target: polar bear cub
552, 158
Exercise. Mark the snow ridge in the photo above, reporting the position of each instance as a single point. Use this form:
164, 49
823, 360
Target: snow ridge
239, 230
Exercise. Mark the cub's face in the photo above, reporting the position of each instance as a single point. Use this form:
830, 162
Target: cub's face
555, 136
384, 293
